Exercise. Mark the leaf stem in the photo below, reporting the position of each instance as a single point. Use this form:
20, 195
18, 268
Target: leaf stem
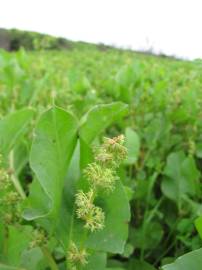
51, 261
165, 252
14, 178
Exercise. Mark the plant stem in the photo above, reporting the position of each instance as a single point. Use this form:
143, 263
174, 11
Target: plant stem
154, 210
165, 252
51, 261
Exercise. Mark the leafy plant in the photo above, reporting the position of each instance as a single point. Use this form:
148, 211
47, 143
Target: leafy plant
144, 208
58, 201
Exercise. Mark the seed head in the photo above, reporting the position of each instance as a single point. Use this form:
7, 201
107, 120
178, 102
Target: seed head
39, 238
86, 210
5, 182
100, 177
76, 257
84, 202
115, 147
95, 219
11, 198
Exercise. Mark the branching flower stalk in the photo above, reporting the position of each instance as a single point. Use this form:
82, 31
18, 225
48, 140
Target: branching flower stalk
101, 175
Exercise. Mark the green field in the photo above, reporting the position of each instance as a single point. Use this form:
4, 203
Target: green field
56, 110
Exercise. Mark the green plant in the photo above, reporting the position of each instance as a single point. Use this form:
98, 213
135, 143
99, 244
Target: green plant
146, 211
64, 209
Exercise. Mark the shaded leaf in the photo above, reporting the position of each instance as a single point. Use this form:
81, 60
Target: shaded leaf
18, 241
189, 261
182, 177
96, 261
139, 265
51, 152
32, 258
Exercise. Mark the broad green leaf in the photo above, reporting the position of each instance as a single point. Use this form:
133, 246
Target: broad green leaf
132, 144
147, 237
114, 235
7, 267
198, 224
139, 265
18, 241
32, 258
12, 127
66, 223
125, 80
115, 263
181, 177
86, 154
96, 261
115, 268
21, 156
189, 261
51, 152
98, 118
37, 204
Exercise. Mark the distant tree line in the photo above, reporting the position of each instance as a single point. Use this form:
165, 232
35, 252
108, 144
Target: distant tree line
14, 39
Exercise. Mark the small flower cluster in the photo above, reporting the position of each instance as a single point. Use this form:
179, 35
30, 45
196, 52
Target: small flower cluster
4, 178
101, 175
39, 238
76, 257
10, 199
92, 215
191, 147
114, 150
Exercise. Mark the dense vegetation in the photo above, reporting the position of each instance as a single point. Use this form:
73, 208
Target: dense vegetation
56, 108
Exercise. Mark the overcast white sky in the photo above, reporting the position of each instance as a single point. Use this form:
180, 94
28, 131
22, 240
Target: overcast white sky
173, 27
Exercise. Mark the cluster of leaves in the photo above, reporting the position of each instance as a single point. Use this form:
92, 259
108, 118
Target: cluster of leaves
153, 213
